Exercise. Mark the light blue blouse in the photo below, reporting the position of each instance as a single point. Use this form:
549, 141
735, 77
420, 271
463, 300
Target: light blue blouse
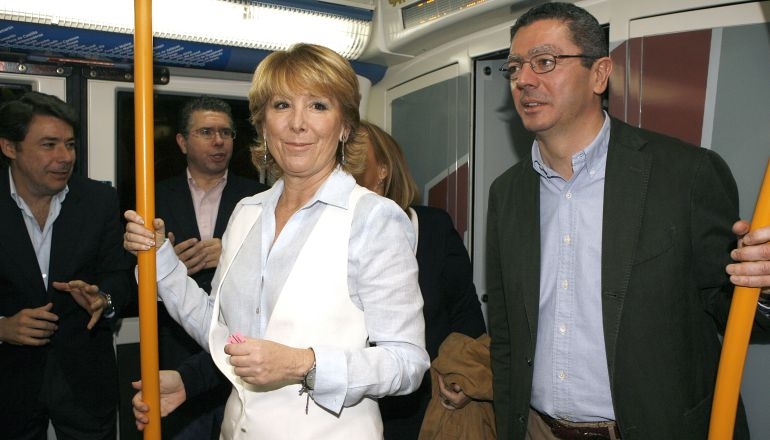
382, 280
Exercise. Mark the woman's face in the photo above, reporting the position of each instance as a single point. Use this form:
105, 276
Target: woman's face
302, 133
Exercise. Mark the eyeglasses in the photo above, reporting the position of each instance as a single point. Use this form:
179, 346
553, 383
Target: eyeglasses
210, 133
542, 63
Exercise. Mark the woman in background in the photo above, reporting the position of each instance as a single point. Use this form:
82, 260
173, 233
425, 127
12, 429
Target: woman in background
316, 293
446, 276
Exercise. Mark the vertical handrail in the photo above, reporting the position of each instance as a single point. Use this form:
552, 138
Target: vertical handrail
737, 334
145, 206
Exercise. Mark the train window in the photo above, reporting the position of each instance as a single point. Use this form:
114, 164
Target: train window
11, 91
169, 160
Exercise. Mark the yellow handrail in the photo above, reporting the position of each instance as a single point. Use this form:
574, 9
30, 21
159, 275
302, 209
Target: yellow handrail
145, 206
736, 340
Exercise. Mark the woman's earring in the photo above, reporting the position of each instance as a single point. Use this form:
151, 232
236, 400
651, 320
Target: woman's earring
265, 153
342, 162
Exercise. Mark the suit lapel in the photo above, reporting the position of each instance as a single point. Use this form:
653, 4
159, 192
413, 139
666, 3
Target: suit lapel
15, 238
68, 230
226, 205
182, 209
526, 228
625, 193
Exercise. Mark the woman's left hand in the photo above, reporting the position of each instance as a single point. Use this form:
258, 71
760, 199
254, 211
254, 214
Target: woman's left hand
263, 362
452, 396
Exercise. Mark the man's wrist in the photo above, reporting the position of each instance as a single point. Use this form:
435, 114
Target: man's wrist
108, 310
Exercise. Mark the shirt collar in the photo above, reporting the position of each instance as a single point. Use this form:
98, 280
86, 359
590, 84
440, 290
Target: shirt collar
591, 156
58, 197
191, 181
335, 190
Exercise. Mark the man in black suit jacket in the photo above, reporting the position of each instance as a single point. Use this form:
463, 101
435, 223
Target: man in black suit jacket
196, 207
63, 273
608, 249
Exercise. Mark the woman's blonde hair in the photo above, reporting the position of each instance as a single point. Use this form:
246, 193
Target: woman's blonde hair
306, 68
399, 185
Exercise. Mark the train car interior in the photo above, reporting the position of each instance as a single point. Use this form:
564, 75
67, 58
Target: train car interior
428, 71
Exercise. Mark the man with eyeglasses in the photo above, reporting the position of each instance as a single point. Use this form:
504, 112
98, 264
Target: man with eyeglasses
196, 207
608, 254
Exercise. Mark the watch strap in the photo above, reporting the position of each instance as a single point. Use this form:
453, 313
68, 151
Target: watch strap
109, 308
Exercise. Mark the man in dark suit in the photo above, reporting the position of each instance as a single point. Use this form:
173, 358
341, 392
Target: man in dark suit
196, 207
607, 256
63, 273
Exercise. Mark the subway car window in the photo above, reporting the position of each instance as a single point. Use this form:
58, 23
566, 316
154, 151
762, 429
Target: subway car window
10, 91
169, 160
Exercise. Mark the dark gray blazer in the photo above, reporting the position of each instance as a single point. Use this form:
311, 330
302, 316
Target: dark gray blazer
668, 212
87, 244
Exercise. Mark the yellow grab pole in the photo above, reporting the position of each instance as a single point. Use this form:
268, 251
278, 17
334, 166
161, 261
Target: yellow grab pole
145, 206
736, 340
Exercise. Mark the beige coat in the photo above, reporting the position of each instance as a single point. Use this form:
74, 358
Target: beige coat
464, 361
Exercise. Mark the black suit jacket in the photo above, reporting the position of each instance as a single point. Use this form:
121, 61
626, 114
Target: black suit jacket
667, 217
451, 305
86, 245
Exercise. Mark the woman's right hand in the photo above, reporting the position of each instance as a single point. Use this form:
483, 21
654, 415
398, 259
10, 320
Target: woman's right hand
138, 237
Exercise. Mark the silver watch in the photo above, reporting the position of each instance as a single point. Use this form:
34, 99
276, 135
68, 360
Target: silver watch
309, 380
109, 308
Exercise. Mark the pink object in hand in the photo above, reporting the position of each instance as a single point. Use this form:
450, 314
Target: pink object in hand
236, 338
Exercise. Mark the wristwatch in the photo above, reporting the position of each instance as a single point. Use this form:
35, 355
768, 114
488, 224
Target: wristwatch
308, 381
109, 309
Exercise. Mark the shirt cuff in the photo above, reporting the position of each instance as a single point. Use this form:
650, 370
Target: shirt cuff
165, 260
331, 378
763, 305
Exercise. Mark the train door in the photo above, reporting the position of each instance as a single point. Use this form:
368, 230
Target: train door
430, 118
501, 141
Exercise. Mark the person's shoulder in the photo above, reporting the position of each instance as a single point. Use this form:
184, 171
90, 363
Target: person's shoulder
371, 198
515, 173
256, 197
651, 141
95, 195
78, 183
680, 156
172, 182
431, 214
252, 186
378, 208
